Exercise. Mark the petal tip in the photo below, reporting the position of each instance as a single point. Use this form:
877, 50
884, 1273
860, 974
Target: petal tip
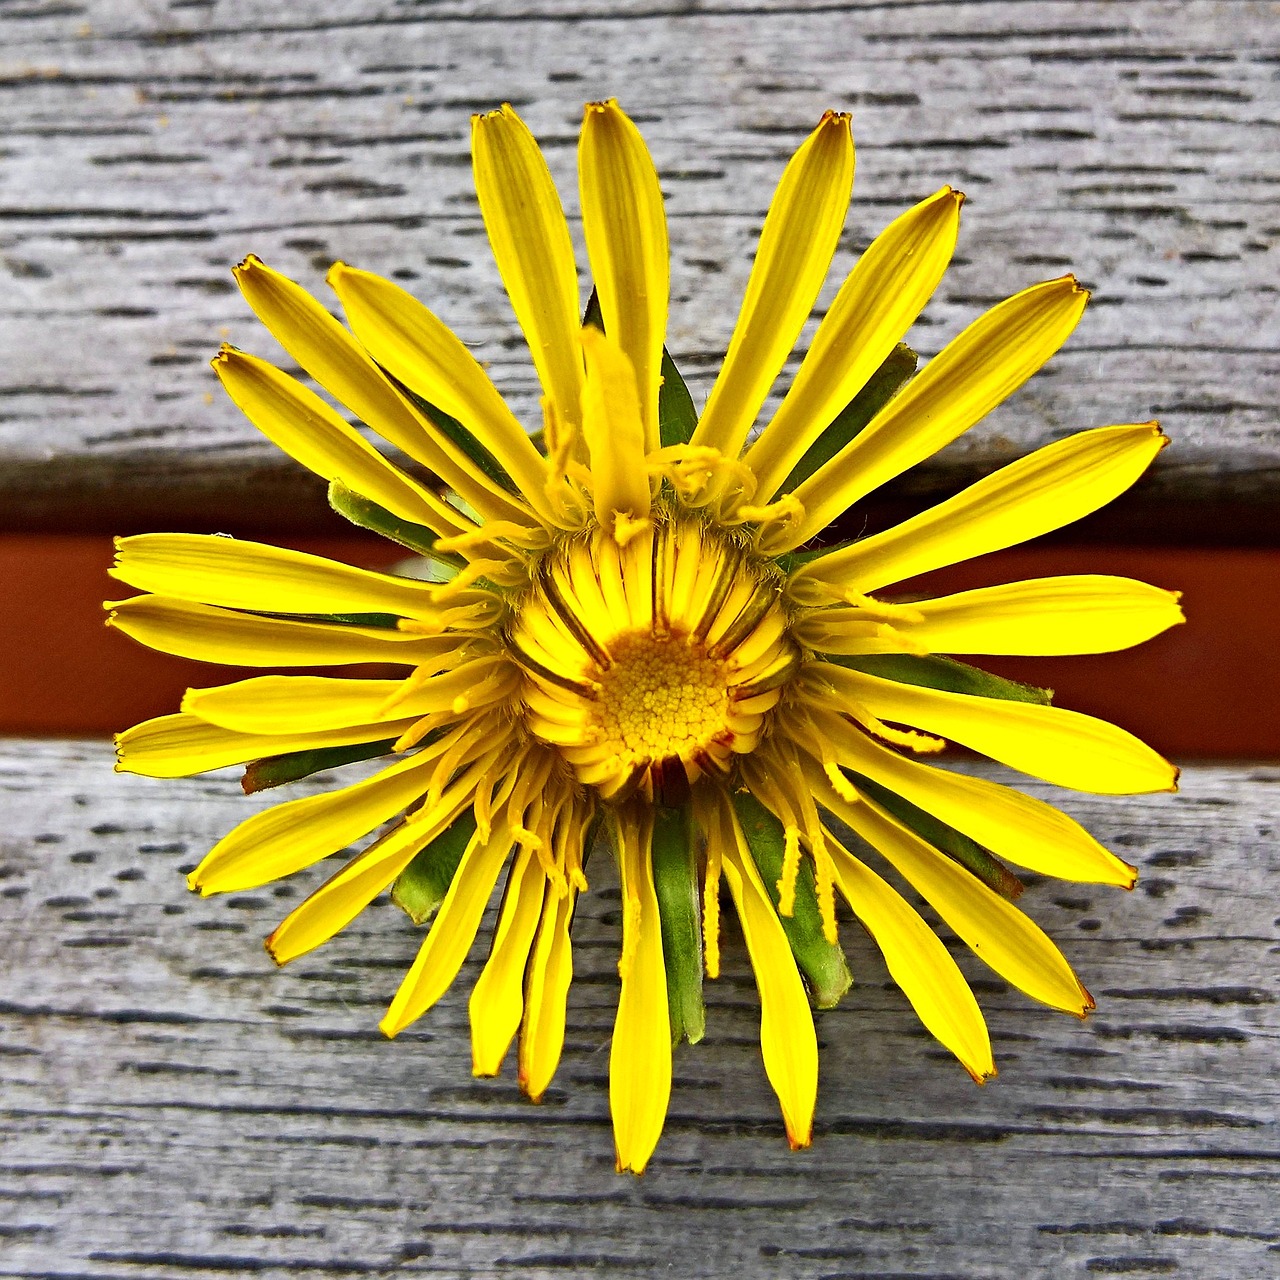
799, 1139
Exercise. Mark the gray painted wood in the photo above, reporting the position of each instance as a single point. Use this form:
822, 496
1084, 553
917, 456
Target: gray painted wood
149, 146
173, 1105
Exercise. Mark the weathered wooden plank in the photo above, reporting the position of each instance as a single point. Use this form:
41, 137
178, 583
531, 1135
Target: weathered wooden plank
173, 1105
147, 148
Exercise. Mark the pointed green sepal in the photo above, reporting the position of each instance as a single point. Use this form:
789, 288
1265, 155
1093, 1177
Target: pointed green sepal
465, 439
387, 621
822, 963
892, 375
677, 416
275, 771
365, 514
789, 561
946, 674
422, 885
675, 876
946, 839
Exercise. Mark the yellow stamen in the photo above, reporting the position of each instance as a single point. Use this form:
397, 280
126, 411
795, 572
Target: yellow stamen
790, 871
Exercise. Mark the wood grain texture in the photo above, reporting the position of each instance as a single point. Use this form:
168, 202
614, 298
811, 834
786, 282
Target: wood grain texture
149, 146
174, 1106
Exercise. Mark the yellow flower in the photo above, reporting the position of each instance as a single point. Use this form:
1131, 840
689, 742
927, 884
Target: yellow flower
624, 642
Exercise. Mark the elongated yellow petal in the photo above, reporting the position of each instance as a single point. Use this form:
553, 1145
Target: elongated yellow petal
339, 364
796, 247
530, 239
209, 634
550, 973
998, 933
1041, 492
497, 999
1060, 746
640, 1055
305, 704
615, 436
972, 374
178, 745
452, 931
788, 1041
284, 839
211, 569
918, 962
1084, 613
876, 305
1020, 828
300, 704
416, 348
626, 231
344, 895
308, 430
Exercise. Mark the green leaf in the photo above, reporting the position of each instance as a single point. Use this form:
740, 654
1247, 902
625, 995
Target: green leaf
892, 375
935, 672
274, 771
422, 885
365, 514
946, 839
460, 435
677, 416
822, 963
675, 876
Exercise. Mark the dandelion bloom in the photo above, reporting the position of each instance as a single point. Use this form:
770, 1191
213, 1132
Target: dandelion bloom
630, 639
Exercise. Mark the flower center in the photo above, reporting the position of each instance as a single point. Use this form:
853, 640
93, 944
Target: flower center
652, 664
664, 696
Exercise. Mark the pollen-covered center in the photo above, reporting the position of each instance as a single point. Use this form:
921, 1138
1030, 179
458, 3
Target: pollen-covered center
651, 664
663, 697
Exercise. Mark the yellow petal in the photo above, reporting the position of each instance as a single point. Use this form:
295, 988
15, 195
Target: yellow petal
452, 931
615, 437
497, 999
546, 997
284, 839
998, 933
796, 246
530, 239
209, 634
876, 305
1084, 613
626, 233
1020, 828
1060, 746
1043, 491
918, 962
345, 894
338, 363
972, 374
640, 1055
211, 569
414, 347
306, 704
787, 1038
178, 745
309, 431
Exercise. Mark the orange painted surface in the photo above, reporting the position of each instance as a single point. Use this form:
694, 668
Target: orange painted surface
1208, 689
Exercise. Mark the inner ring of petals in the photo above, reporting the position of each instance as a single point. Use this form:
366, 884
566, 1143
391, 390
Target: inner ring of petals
652, 664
